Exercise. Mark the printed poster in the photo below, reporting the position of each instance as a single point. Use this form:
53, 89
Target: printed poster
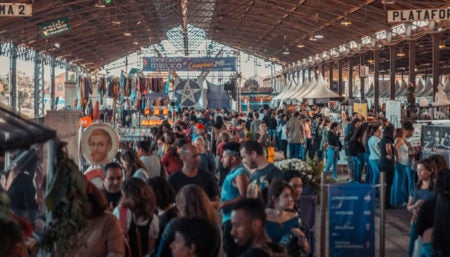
394, 113
351, 220
360, 108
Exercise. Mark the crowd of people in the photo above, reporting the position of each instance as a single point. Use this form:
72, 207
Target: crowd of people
205, 185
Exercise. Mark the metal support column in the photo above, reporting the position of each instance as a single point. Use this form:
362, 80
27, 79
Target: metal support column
303, 75
323, 214
77, 79
393, 56
362, 61
412, 62
322, 70
340, 86
382, 212
435, 63
376, 59
13, 77
52, 84
331, 75
350, 78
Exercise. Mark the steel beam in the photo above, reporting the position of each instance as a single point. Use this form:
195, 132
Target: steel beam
39, 93
393, 56
376, 59
13, 77
52, 84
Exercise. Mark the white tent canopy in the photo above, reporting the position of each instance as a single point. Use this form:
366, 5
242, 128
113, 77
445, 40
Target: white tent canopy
282, 93
307, 85
320, 90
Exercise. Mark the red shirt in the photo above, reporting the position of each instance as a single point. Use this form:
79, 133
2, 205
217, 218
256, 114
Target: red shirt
171, 163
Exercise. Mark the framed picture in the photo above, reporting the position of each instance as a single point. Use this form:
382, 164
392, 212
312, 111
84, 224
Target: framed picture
99, 143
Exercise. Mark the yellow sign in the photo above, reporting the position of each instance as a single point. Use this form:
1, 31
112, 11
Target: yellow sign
418, 15
360, 108
16, 9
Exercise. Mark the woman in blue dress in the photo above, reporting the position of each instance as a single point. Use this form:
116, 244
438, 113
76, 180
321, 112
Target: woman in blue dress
399, 192
283, 225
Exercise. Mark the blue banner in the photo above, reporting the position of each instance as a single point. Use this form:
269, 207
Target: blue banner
351, 220
189, 64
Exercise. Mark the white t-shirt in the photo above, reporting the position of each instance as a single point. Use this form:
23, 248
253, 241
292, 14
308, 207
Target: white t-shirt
152, 164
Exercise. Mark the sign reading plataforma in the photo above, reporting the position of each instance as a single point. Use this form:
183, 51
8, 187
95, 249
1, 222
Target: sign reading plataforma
418, 15
16, 9
394, 113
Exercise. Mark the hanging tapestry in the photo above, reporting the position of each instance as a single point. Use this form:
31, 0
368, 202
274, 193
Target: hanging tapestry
188, 93
217, 96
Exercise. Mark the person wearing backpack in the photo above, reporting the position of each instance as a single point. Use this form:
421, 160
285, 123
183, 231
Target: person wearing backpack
248, 220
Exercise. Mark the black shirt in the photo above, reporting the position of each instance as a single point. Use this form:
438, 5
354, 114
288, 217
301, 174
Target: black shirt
425, 217
266, 250
113, 198
203, 179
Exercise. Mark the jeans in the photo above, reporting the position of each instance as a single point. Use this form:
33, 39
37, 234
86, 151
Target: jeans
410, 174
357, 168
369, 175
297, 151
332, 159
283, 146
375, 169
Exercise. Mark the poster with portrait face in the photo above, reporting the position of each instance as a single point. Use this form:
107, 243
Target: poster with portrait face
99, 143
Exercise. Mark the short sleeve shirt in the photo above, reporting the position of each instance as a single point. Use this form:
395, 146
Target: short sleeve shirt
203, 179
260, 181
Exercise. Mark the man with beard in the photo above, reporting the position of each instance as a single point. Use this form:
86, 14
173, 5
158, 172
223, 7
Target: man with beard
262, 171
248, 220
234, 188
100, 143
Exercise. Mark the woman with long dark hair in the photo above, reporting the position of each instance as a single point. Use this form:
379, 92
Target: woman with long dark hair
441, 226
218, 127
133, 166
136, 212
191, 201
283, 225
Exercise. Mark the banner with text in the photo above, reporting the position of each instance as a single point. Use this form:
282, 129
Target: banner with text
418, 15
351, 220
189, 64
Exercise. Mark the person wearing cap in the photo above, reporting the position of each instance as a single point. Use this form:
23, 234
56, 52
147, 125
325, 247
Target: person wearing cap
234, 188
200, 130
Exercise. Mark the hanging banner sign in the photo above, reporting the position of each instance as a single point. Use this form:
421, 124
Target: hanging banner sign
18, 9
394, 113
55, 27
189, 64
352, 220
418, 15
